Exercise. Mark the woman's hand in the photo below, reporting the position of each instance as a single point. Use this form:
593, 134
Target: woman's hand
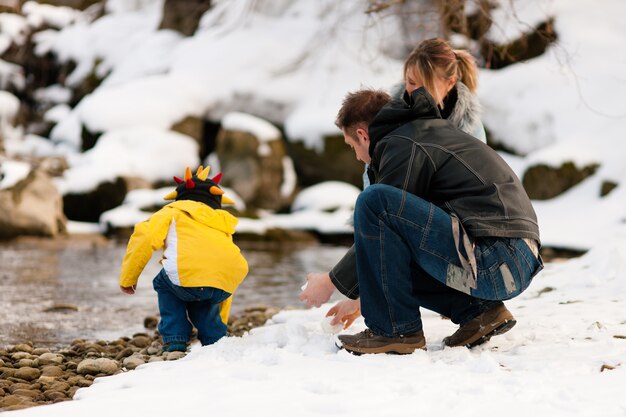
345, 312
317, 290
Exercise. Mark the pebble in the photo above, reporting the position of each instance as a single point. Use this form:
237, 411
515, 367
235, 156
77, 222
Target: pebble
22, 347
132, 362
96, 366
31, 376
52, 370
27, 393
20, 355
150, 322
172, 356
22, 363
50, 359
54, 395
141, 341
124, 353
19, 385
27, 373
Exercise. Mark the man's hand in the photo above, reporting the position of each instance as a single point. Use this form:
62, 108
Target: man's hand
128, 290
345, 312
317, 290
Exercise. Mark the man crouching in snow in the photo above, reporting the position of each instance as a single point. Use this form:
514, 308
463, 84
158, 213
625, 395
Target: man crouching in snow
446, 226
202, 267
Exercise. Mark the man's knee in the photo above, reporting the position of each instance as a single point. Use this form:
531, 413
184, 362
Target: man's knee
376, 195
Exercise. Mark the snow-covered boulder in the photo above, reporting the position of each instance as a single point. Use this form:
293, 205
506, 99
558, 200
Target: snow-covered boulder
29, 202
251, 153
334, 161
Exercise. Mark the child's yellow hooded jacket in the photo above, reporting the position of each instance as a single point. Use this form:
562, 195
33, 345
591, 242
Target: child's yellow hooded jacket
199, 249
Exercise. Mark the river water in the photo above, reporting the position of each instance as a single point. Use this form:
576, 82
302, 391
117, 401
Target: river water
55, 291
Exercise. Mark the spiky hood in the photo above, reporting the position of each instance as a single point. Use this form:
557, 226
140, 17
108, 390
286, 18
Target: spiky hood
200, 188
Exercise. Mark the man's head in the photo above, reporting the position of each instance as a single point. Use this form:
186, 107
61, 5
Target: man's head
356, 113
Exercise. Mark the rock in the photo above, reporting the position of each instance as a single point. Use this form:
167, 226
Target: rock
183, 15
73, 380
27, 373
46, 380
17, 356
40, 351
94, 348
22, 347
172, 356
52, 370
90, 205
54, 395
10, 400
7, 372
30, 393
50, 359
61, 308
155, 359
22, 363
543, 182
33, 206
18, 385
124, 353
60, 386
252, 166
1, 363
155, 349
2, 392
150, 322
96, 366
334, 162
140, 341
84, 382
132, 362
606, 187
72, 391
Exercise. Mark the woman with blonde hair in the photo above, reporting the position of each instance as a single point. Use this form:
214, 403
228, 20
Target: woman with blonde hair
450, 76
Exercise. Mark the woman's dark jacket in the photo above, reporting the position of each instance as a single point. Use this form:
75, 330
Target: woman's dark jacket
414, 149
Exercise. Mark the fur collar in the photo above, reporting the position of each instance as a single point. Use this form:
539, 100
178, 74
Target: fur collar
461, 107
465, 113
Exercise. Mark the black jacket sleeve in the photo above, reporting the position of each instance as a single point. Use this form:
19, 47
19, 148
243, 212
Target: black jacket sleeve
343, 275
403, 164
399, 163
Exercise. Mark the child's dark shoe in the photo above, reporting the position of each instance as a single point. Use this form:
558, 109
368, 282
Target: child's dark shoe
175, 347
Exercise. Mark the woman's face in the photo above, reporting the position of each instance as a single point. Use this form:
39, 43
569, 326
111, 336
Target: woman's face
443, 87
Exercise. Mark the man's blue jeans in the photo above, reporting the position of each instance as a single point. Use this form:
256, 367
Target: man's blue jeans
407, 259
182, 306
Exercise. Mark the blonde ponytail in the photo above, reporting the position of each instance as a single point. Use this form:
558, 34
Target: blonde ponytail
467, 71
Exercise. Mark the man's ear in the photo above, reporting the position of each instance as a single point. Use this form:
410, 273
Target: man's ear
363, 135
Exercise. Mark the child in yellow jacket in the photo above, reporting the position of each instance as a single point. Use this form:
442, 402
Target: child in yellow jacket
202, 267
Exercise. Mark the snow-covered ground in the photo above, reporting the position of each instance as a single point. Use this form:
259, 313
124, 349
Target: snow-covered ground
571, 324
563, 106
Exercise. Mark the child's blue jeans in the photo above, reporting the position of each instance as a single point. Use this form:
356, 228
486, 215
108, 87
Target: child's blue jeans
181, 307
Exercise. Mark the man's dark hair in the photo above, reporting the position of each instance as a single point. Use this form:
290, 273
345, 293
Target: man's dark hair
359, 108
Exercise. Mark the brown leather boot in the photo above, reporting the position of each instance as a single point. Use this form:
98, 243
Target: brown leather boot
479, 330
368, 342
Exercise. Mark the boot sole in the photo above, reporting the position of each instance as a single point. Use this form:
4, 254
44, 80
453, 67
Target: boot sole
398, 348
501, 329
